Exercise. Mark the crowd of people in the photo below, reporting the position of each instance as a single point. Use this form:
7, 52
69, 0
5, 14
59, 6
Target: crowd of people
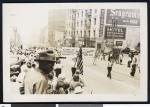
40, 72
132, 63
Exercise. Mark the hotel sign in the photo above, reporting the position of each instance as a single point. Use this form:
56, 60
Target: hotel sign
115, 32
129, 17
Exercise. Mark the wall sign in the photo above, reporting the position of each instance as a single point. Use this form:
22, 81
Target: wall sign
129, 17
115, 32
119, 43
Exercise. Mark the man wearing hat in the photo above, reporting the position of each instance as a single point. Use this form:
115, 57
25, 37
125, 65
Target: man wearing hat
36, 81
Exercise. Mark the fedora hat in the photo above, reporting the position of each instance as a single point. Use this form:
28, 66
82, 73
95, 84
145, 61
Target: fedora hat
46, 56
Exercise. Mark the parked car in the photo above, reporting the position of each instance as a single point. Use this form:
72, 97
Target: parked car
126, 50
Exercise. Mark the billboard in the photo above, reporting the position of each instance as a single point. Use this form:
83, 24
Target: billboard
129, 17
115, 32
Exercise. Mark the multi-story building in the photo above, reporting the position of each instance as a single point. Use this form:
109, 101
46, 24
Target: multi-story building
56, 22
83, 25
104, 27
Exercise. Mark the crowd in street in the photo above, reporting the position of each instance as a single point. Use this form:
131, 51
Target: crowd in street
38, 70
133, 61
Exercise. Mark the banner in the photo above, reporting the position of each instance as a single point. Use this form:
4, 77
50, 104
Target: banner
73, 51
116, 32
129, 17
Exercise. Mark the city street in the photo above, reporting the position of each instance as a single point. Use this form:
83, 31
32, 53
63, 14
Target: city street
96, 81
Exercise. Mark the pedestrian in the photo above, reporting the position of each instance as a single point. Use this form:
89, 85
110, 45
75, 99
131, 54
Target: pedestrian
121, 58
36, 82
109, 68
133, 68
104, 56
129, 62
58, 68
75, 83
95, 57
74, 65
77, 73
21, 77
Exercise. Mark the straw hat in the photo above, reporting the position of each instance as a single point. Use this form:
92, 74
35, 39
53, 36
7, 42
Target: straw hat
78, 89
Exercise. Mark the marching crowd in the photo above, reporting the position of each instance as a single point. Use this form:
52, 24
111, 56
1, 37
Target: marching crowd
133, 61
40, 72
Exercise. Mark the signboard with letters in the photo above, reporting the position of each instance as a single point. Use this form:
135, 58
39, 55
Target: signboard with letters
130, 17
102, 22
115, 32
71, 51
119, 43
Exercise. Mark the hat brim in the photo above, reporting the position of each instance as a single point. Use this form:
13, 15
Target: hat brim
44, 60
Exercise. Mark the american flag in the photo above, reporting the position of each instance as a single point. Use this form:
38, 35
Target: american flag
80, 61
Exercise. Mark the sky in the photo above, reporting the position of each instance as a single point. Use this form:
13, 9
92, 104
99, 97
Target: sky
27, 19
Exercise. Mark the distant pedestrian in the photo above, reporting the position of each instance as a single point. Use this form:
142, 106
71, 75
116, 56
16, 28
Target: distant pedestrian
95, 57
121, 58
74, 65
129, 62
133, 68
109, 68
58, 68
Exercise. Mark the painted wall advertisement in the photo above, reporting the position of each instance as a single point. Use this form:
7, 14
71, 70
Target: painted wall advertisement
68, 51
116, 32
130, 17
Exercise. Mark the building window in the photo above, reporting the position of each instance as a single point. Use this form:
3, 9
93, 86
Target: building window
78, 15
89, 21
81, 33
85, 11
95, 10
94, 33
89, 33
77, 24
81, 24
77, 32
90, 10
85, 33
94, 21
85, 22
82, 13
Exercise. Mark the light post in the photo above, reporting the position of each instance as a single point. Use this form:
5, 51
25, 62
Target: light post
114, 25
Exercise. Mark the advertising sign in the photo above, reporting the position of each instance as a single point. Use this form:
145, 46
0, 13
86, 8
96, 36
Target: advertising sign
119, 43
115, 32
129, 17
68, 51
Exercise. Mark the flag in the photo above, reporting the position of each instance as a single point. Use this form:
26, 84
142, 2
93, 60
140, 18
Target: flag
80, 61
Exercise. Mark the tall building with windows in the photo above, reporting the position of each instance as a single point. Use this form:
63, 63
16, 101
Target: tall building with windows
100, 28
83, 26
56, 22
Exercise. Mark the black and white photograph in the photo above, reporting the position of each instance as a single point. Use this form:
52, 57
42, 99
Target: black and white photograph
52, 52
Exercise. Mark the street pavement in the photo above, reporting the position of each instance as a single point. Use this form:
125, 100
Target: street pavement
97, 82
